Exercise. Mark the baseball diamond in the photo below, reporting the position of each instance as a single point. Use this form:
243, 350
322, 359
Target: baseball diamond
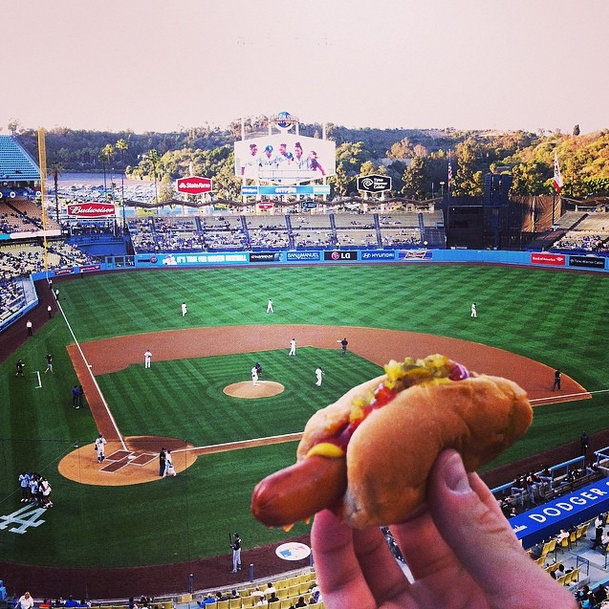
229, 328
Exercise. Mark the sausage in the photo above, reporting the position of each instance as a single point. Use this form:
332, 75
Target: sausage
299, 491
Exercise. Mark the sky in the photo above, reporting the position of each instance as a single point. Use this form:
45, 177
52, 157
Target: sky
165, 65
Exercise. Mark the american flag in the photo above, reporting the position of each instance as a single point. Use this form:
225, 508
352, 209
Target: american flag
557, 176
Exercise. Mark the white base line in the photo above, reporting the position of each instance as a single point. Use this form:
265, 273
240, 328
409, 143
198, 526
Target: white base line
37, 373
560, 396
288, 437
101, 395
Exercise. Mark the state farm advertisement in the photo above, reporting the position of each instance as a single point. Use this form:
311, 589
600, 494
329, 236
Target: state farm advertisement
193, 185
551, 259
91, 210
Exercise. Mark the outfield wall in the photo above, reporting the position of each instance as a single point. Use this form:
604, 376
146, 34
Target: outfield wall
576, 262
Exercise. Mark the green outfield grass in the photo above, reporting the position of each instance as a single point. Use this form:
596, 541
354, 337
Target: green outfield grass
555, 317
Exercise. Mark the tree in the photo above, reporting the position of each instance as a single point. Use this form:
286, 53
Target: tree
154, 159
469, 180
415, 179
56, 169
349, 160
401, 150
13, 125
105, 156
122, 146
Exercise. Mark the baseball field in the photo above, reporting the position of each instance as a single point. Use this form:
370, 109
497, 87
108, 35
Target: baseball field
554, 319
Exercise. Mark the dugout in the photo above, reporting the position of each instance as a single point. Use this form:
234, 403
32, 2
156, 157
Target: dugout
546, 521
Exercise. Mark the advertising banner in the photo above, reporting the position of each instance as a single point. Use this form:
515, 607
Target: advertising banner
546, 520
305, 256
341, 256
91, 210
414, 255
368, 255
193, 185
592, 262
374, 183
172, 260
285, 158
314, 189
551, 259
265, 256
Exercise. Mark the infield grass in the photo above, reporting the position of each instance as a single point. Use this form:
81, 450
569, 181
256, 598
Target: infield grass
558, 318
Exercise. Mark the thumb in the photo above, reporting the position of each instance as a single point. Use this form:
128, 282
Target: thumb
469, 519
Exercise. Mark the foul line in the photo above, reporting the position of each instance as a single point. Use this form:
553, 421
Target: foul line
228, 446
561, 396
37, 373
99, 391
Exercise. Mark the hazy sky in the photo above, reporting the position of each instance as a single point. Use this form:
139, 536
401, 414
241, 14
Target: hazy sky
165, 64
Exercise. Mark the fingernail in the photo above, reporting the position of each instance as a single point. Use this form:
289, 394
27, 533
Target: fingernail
455, 475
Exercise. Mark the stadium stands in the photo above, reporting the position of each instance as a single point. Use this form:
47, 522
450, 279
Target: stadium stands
16, 165
248, 232
19, 259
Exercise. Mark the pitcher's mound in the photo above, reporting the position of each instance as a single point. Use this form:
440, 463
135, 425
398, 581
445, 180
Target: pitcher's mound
245, 389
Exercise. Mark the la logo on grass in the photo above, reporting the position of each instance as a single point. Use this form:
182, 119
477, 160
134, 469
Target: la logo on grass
25, 517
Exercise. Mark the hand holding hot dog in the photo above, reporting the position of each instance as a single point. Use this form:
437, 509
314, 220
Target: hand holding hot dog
460, 550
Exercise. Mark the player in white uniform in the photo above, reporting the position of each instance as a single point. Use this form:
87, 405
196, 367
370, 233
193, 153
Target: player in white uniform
147, 358
319, 373
292, 347
100, 444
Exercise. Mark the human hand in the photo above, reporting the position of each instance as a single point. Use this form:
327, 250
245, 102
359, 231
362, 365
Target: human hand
460, 550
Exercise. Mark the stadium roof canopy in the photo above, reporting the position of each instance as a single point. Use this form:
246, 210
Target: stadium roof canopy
16, 165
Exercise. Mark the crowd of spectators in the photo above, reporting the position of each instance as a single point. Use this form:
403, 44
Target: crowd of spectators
536, 488
156, 234
12, 296
584, 242
24, 259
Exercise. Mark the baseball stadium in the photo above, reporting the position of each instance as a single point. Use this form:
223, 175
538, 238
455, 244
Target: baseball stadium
377, 272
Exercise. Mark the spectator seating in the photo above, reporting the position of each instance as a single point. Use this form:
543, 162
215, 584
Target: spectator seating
16, 163
23, 258
258, 232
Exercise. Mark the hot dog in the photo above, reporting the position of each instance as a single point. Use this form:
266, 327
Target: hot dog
368, 455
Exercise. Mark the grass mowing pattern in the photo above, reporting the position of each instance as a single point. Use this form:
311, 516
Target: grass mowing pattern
558, 318
196, 410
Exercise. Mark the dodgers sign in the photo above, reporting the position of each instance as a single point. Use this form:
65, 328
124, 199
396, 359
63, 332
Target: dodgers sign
546, 520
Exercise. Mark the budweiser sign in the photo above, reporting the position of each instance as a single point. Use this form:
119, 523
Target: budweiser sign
194, 185
91, 210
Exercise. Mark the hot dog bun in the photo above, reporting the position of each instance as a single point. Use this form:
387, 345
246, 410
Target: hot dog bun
389, 455
479, 417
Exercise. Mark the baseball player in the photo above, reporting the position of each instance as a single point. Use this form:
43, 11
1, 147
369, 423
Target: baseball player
292, 347
49, 368
236, 546
184, 309
319, 373
147, 358
474, 311
254, 376
269, 306
100, 444
169, 468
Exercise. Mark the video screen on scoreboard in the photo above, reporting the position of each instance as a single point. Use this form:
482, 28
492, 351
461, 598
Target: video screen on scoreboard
285, 158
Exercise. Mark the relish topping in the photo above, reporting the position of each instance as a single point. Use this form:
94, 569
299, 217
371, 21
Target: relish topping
400, 375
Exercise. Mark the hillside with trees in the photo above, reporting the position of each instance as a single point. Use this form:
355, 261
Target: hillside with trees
416, 159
